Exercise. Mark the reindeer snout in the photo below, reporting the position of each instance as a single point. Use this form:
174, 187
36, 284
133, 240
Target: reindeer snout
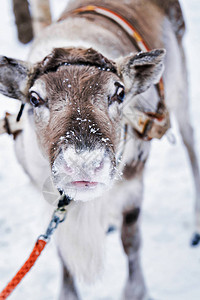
89, 166
83, 164
81, 172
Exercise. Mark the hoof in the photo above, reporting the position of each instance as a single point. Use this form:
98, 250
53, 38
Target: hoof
195, 239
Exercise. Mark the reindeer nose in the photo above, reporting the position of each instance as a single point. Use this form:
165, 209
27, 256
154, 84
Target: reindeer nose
83, 172
77, 165
84, 163
98, 166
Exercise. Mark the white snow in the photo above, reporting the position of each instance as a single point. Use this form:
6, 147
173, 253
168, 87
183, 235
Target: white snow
171, 266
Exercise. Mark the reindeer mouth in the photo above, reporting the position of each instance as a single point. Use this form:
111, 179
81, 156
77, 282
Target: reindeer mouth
84, 184
83, 175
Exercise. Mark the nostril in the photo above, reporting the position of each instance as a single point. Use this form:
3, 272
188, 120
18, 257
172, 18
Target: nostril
99, 167
67, 168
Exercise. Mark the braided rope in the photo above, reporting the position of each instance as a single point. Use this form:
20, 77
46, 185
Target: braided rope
38, 248
58, 217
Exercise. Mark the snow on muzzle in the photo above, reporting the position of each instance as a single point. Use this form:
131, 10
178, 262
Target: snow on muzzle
82, 175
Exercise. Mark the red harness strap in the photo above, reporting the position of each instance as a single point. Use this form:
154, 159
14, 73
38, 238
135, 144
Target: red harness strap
38, 248
111, 14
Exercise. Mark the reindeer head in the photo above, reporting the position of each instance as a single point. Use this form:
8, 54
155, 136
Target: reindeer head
77, 96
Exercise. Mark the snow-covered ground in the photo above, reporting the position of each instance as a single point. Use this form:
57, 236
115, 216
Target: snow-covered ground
171, 266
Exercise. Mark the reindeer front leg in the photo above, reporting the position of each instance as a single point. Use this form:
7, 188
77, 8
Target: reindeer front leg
135, 288
68, 289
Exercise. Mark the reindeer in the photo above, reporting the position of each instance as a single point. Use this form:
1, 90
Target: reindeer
82, 74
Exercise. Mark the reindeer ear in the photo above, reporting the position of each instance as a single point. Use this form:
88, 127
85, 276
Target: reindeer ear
14, 78
139, 71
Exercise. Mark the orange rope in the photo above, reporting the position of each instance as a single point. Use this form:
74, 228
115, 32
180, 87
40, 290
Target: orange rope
57, 218
39, 246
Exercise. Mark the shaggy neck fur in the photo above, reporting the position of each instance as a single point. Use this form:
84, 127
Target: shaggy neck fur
81, 239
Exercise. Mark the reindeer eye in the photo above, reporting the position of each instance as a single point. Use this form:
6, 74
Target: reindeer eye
35, 99
120, 93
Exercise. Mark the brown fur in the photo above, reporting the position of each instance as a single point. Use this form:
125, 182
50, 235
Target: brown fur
140, 12
79, 104
133, 169
74, 105
75, 56
173, 10
23, 20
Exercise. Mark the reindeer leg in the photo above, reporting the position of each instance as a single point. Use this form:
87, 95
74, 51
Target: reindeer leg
186, 130
187, 135
135, 288
188, 139
68, 290
23, 20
